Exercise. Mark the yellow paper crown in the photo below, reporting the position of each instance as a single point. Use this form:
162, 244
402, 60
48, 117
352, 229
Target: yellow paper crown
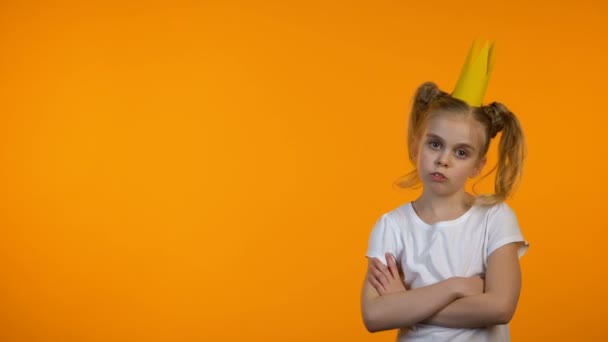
473, 80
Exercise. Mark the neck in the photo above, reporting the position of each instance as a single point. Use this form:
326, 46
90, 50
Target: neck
444, 205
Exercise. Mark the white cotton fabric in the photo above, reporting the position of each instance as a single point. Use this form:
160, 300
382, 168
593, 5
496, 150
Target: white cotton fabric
430, 253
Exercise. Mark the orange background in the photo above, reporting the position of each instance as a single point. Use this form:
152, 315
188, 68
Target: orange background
188, 171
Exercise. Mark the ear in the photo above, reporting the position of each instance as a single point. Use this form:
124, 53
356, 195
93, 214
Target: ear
480, 165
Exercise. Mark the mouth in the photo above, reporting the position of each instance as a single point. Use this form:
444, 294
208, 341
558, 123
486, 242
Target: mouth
438, 176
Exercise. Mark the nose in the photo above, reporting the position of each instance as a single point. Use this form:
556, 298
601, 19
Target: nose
442, 160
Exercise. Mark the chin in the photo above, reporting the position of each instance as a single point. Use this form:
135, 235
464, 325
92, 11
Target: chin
439, 189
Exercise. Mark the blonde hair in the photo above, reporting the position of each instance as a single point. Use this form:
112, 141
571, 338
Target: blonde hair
429, 101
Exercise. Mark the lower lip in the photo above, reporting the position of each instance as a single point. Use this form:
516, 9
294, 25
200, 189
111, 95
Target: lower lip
438, 178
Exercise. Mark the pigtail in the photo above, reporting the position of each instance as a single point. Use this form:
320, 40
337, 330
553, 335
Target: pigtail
424, 99
511, 152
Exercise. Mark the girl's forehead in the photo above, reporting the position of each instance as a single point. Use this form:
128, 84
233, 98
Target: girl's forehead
456, 129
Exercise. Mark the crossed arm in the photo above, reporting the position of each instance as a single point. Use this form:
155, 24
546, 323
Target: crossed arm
458, 302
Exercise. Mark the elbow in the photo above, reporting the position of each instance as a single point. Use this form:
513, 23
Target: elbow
504, 313
503, 318
371, 324
371, 328
372, 321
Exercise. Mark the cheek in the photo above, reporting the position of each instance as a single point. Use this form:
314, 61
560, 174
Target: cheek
424, 157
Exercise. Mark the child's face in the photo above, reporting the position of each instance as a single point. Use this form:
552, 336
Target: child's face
448, 153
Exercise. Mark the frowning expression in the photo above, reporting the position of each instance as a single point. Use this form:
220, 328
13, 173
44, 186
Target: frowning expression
449, 152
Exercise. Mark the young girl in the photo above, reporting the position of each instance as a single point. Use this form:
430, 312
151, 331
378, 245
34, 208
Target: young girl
445, 267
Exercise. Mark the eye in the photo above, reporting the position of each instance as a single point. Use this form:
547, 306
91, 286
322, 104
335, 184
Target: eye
434, 144
462, 153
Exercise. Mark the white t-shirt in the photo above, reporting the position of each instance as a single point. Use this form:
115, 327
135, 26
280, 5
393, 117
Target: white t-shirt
431, 253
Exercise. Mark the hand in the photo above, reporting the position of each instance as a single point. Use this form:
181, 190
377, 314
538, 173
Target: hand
469, 286
385, 280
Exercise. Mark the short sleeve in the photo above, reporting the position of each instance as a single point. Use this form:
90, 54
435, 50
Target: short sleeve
384, 238
504, 228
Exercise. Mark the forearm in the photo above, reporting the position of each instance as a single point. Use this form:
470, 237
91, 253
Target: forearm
473, 312
407, 308
499, 301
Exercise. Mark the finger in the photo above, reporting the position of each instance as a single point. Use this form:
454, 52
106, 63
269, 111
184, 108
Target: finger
401, 272
392, 265
376, 264
380, 274
384, 269
373, 266
377, 285
370, 265
380, 267
395, 269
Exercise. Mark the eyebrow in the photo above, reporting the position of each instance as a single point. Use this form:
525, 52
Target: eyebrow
435, 136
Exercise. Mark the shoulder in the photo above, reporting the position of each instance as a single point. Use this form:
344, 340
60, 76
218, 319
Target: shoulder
503, 228
502, 212
498, 211
400, 214
386, 235
498, 219
395, 218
